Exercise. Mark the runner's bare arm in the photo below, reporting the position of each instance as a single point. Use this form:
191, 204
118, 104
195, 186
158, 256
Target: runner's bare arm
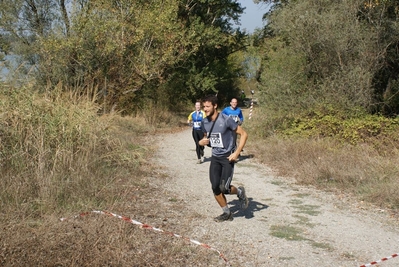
243, 139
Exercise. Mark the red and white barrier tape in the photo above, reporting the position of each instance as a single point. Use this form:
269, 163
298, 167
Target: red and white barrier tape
383, 259
146, 226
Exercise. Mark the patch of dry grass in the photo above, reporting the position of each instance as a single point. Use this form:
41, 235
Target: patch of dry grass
361, 171
96, 241
58, 159
367, 170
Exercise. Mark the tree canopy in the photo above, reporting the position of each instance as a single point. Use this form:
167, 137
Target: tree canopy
126, 53
128, 50
342, 53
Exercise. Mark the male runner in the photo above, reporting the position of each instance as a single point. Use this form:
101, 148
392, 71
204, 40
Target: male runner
218, 131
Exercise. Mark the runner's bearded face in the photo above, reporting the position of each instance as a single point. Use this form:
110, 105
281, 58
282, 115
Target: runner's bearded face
209, 109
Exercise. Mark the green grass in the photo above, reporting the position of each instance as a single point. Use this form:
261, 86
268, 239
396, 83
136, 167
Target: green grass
301, 195
295, 201
275, 182
286, 232
303, 220
322, 245
308, 209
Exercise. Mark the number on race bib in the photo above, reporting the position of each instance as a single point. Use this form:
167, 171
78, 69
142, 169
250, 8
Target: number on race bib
216, 140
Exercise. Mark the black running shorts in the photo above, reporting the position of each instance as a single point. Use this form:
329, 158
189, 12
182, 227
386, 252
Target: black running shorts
220, 174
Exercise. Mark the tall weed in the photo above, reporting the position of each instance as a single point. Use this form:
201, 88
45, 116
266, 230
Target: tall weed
59, 158
55, 151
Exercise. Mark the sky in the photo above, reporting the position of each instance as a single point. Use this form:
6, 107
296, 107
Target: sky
252, 16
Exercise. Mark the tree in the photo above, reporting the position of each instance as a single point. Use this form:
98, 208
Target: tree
127, 48
383, 15
335, 55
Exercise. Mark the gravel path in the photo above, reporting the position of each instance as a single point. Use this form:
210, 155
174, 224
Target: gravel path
284, 225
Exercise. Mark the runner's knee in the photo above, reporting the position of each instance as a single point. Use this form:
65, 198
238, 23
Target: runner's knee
221, 188
225, 189
216, 188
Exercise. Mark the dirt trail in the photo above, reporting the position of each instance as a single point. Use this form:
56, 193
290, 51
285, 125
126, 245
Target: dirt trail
284, 225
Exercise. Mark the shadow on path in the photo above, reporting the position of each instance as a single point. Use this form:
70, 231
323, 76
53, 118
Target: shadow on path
241, 158
249, 156
248, 213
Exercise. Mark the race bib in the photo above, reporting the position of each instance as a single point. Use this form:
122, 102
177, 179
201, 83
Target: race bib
235, 118
197, 124
216, 140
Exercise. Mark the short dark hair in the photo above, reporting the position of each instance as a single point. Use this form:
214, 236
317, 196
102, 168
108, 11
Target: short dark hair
210, 98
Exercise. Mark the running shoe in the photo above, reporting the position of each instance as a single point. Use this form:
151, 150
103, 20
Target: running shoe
243, 198
224, 217
199, 161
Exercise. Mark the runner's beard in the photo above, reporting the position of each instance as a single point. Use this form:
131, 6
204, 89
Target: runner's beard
211, 112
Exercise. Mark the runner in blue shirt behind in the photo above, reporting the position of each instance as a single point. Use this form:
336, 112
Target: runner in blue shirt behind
234, 112
195, 119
